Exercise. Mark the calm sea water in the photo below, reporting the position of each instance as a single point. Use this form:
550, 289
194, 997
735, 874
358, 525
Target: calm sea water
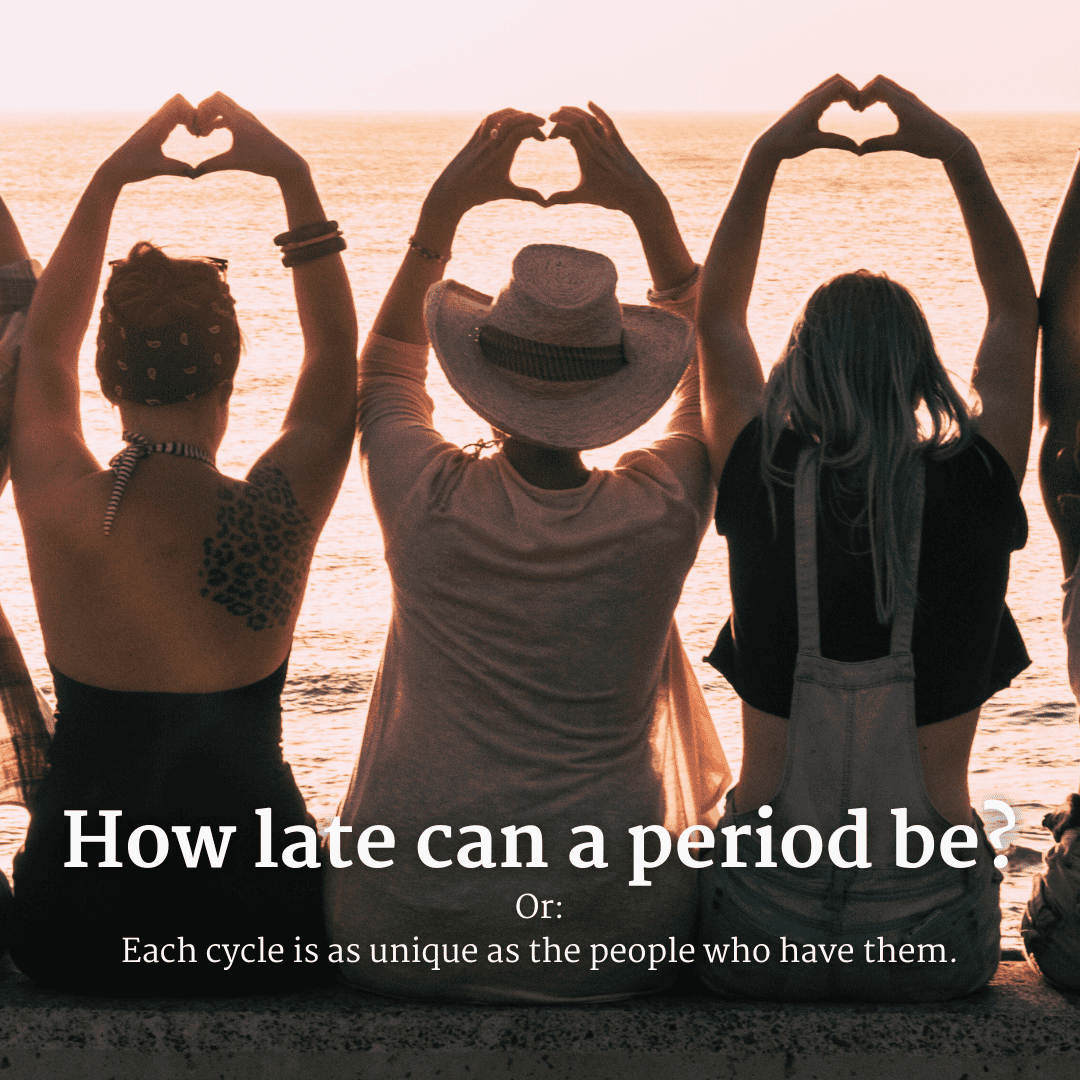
830, 212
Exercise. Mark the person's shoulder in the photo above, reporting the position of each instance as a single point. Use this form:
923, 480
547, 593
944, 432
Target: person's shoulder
674, 471
979, 465
977, 485
743, 465
645, 463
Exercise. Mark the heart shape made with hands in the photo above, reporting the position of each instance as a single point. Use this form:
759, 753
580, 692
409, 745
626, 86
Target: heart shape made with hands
546, 167
873, 120
184, 146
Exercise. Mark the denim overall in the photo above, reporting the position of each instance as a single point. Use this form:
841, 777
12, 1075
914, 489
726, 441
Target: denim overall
852, 743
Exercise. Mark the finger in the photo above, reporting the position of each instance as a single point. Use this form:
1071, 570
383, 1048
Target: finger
879, 143
516, 129
565, 198
176, 111
218, 110
494, 121
850, 93
828, 89
578, 135
834, 89
833, 140
527, 195
881, 88
587, 122
568, 127
583, 131
171, 167
608, 123
220, 163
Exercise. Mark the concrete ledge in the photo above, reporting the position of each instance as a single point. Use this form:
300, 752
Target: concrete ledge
1016, 1028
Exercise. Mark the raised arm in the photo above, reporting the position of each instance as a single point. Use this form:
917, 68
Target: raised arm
47, 447
480, 173
1004, 374
319, 425
613, 178
1059, 397
731, 376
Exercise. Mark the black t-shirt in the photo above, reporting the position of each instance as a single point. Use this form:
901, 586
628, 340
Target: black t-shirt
965, 643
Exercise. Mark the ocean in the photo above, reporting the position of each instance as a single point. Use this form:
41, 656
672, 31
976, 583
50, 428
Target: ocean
830, 212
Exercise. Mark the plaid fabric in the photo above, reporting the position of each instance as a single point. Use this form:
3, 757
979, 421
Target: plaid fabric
26, 721
17, 281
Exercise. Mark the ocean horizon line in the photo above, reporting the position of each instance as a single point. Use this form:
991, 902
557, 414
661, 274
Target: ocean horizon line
24, 114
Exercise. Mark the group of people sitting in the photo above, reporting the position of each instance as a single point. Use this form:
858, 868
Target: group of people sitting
537, 747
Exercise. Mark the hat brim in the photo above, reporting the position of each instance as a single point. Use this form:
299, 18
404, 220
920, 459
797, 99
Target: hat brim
580, 415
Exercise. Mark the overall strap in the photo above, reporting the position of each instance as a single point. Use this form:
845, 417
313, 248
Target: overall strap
806, 583
806, 580
904, 617
139, 447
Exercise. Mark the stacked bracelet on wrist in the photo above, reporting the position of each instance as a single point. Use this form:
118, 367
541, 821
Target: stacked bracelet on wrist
425, 253
310, 242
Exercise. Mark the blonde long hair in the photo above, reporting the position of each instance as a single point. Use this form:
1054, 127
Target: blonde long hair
858, 365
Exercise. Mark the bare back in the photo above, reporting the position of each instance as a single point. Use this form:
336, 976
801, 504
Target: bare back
197, 587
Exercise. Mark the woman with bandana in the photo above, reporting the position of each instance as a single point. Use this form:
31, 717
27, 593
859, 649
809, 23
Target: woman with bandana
168, 594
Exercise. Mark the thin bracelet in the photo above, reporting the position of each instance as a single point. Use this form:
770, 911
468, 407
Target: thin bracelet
966, 142
424, 253
317, 251
298, 244
305, 232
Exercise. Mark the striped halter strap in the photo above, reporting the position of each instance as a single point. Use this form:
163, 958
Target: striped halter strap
123, 465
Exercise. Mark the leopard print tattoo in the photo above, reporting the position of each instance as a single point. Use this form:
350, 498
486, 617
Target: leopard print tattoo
255, 563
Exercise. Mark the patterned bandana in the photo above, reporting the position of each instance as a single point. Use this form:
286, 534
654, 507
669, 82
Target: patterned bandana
162, 365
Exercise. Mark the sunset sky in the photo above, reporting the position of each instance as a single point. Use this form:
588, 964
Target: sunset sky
475, 55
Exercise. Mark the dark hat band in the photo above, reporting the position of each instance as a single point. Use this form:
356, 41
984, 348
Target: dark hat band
552, 363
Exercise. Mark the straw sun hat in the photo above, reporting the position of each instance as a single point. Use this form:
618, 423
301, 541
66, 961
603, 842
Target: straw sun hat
556, 360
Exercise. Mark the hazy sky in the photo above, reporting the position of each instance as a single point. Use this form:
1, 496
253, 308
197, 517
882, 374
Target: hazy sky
478, 55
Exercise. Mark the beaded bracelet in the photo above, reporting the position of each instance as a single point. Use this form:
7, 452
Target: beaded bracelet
677, 292
305, 232
424, 253
330, 246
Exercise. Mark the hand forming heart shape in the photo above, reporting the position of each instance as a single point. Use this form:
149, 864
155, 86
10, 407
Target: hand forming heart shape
253, 148
611, 177
919, 129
